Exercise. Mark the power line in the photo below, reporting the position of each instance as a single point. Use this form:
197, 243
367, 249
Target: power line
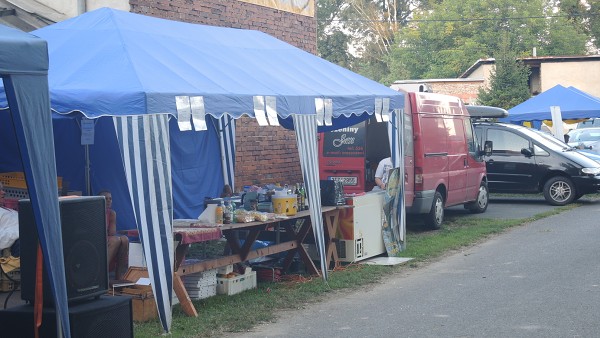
468, 19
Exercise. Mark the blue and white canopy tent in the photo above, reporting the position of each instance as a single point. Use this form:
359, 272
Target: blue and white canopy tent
24, 73
129, 66
574, 104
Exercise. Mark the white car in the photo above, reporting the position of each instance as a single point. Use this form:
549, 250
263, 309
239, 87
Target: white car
586, 139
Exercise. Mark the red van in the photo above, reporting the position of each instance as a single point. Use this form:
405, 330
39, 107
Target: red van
443, 161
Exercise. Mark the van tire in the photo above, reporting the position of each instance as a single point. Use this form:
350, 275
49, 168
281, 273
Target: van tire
559, 190
480, 205
435, 217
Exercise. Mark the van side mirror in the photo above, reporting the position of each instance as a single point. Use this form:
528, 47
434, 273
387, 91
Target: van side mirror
527, 152
488, 147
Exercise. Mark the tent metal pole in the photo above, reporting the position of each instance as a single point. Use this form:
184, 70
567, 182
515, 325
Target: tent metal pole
88, 186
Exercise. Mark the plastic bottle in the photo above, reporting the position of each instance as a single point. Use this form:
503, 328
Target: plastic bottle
227, 215
219, 214
232, 211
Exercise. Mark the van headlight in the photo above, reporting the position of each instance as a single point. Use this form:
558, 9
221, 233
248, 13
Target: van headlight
591, 171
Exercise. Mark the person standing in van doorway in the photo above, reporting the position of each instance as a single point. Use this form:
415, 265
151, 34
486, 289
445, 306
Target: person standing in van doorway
382, 173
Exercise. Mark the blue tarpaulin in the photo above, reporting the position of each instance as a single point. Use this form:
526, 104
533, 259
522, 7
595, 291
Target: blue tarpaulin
24, 73
574, 104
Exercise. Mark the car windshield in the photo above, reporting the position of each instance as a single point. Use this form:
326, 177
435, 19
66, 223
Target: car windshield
585, 135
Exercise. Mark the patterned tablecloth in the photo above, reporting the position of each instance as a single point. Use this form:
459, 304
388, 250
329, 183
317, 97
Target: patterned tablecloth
191, 231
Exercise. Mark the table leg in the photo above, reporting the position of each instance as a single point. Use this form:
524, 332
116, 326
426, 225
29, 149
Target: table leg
331, 225
184, 299
299, 237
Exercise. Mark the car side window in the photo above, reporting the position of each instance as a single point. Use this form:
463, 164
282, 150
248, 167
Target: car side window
506, 142
539, 151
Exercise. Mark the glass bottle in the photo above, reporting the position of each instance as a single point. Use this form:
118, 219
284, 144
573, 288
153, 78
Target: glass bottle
304, 200
298, 197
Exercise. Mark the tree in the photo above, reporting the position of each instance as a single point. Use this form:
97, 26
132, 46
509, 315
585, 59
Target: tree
332, 42
508, 82
367, 27
444, 41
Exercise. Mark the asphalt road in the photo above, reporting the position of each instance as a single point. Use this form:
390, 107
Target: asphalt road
537, 280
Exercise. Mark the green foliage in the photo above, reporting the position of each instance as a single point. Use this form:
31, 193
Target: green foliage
332, 43
508, 82
447, 40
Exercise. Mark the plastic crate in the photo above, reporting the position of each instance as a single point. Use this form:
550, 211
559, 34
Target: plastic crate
17, 180
237, 284
16, 193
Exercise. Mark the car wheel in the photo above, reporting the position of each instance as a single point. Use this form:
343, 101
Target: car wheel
435, 217
480, 205
559, 190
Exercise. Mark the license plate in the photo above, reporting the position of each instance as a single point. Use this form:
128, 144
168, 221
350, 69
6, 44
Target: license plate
346, 180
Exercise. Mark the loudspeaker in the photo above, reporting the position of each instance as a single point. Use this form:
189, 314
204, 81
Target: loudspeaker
83, 225
332, 192
107, 316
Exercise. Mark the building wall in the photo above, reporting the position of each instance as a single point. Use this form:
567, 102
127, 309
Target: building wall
467, 91
263, 154
69, 8
582, 75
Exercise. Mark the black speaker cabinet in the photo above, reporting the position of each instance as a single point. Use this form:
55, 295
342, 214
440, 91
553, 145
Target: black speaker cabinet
83, 225
332, 192
107, 316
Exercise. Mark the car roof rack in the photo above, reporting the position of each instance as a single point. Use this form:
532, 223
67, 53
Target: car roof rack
489, 112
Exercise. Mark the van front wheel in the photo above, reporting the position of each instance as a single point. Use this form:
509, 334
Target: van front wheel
435, 217
480, 205
559, 190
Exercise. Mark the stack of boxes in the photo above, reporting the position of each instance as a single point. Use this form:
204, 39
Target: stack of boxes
201, 285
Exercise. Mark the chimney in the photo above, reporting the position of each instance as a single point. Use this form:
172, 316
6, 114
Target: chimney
534, 52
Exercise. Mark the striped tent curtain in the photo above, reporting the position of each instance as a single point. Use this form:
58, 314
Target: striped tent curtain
396, 137
144, 144
306, 137
227, 143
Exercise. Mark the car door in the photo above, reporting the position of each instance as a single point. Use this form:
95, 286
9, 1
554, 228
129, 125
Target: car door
508, 169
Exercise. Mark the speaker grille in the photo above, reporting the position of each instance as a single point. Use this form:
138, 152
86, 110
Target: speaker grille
83, 225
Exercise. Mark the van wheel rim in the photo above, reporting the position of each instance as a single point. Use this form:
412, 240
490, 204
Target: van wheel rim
439, 211
560, 191
482, 198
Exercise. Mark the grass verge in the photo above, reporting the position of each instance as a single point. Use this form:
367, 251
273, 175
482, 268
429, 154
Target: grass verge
243, 311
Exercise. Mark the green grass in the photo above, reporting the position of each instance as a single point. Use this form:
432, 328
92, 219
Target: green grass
243, 311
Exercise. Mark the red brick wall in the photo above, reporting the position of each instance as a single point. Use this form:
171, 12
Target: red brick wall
264, 154
466, 90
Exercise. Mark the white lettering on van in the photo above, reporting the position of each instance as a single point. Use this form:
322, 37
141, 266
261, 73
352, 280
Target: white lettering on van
348, 130
343, 140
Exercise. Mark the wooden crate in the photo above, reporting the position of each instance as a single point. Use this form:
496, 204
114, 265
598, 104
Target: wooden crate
142, 301
142, 297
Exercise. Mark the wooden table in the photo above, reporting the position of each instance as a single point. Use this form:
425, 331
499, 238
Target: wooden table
290, 232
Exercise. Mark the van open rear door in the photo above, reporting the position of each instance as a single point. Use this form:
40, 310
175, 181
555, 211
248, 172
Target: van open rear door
342, 157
